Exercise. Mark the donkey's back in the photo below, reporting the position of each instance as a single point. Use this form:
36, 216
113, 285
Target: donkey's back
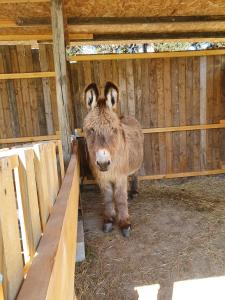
134, 141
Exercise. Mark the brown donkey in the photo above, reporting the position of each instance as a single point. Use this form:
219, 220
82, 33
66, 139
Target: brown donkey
115, 146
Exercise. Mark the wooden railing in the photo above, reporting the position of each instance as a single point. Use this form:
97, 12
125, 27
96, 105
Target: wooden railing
30, 207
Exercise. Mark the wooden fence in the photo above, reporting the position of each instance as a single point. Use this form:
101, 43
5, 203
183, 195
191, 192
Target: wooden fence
168, 96
30, 179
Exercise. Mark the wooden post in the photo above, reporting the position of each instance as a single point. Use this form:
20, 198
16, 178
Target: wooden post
62, 88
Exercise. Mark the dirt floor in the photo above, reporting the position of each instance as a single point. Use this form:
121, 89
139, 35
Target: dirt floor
178, 234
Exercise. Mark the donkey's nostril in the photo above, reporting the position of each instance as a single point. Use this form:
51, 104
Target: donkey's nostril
103, 166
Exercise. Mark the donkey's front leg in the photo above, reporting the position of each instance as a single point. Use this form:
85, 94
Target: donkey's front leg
109, 212
122, 205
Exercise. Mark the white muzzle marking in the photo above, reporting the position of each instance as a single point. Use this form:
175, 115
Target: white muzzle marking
103, 159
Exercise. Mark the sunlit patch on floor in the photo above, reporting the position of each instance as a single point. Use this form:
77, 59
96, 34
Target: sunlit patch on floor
147, 292
212, 288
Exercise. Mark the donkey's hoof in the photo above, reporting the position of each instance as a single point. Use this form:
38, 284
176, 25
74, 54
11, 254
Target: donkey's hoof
126, 231
132, 194
107, 227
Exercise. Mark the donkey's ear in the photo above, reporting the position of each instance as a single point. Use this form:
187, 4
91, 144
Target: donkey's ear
91, 95
111, 95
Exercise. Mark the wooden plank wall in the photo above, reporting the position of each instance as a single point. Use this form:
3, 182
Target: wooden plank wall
166, 92
27, 106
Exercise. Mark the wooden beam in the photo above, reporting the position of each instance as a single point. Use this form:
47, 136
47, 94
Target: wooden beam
221, 124
31, 43
62, 87
1, 287
168, 176
26, 21
126, 41
28, 139
23, 1
27, 75
181, 27
57, 250
161, 36
184, 174
93, 57
25, 37
41, 37
184, 128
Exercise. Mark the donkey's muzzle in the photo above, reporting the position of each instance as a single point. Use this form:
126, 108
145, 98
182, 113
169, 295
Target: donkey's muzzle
103, 166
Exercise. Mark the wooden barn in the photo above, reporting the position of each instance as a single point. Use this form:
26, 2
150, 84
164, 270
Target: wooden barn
179, 99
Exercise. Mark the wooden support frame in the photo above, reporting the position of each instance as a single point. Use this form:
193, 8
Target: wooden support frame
23, 1
62, 88
80, 132
57, 250
27, 75
1, 287
94, 57
30, 139
168, 176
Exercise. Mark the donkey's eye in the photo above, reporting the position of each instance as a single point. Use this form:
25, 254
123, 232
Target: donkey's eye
91, 131
115, 130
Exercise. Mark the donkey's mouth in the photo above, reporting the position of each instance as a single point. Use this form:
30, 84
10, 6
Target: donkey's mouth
104, 166
102, 169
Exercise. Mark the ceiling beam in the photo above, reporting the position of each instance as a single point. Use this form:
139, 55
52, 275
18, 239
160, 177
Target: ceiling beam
42, 37
23, 1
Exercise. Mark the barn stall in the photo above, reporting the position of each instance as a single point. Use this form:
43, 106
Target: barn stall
178, 97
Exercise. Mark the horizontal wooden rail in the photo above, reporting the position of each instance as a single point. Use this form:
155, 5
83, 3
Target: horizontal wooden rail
42, 37
80, 132
1, 287
30, 139
22, 1
14, 161
184, 128
168, 176
25, 37
27, 75
93, 57
184, 174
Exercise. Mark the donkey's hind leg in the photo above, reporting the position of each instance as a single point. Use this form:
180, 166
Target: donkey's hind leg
133, 186
122, 206
109, 212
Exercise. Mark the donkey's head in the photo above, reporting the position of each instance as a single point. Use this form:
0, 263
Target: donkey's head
102, 127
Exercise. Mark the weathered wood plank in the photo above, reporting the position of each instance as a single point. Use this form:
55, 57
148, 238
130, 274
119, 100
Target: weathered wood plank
10, 232
46, 89
149, 55
61, 75
40, 163
29, 139
203, 108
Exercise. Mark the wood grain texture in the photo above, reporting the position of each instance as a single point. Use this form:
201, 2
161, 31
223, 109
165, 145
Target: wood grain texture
62, 85
116, 8
172, 102
13, 274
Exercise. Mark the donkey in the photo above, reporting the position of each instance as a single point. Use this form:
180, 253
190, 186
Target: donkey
115, 147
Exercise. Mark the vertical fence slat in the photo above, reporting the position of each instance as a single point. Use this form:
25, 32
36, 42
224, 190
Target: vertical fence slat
1, 287
52, 177
29, 198
42, 183
61, 161
10, 231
